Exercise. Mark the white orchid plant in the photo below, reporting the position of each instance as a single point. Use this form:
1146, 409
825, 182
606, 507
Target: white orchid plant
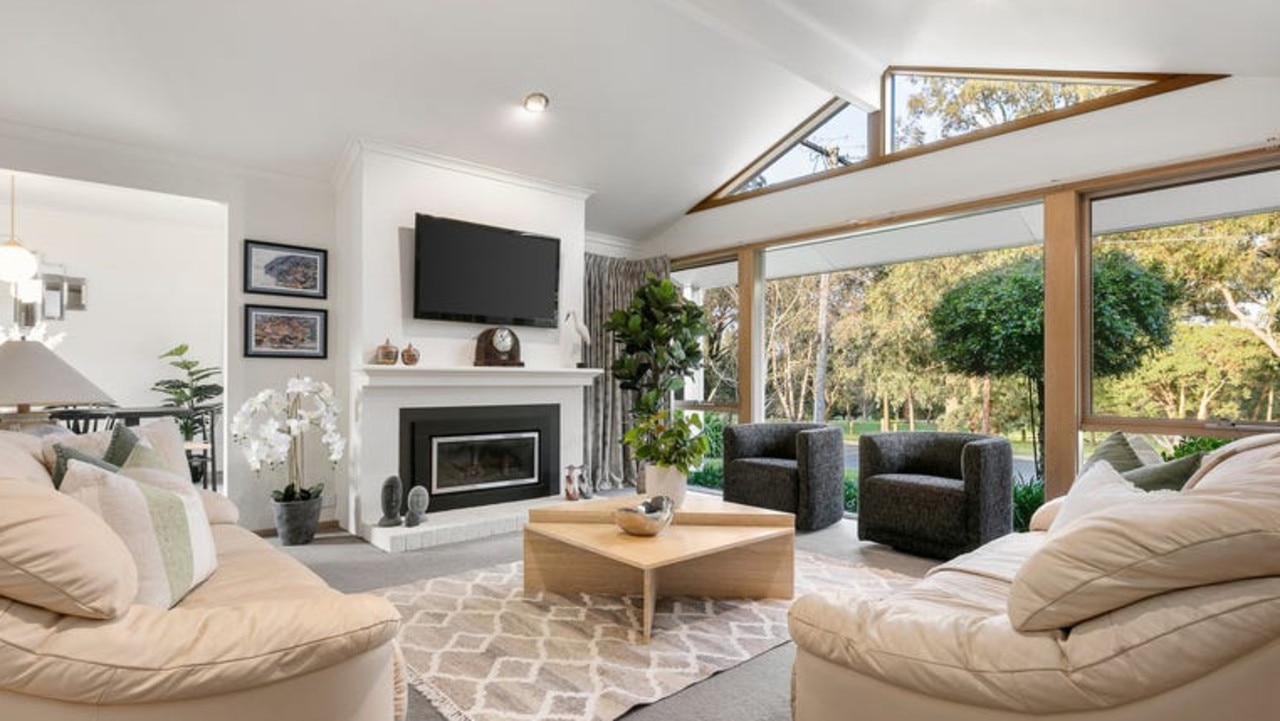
271, 427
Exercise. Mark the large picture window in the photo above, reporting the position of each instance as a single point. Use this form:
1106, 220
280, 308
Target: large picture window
1204, 265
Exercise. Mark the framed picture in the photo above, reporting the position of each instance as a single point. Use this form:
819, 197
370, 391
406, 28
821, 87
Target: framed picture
278, 269
274, 332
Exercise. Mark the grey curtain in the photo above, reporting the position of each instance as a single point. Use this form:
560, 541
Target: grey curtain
611, 283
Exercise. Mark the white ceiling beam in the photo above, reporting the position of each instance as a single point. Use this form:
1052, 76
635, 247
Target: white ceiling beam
796, 42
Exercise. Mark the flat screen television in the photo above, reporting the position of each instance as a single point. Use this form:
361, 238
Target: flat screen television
482, 274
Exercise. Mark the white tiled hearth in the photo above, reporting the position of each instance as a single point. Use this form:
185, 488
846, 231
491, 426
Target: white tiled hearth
464, 524
381, 391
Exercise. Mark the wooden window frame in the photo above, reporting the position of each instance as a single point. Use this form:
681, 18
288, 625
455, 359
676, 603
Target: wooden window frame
877, 144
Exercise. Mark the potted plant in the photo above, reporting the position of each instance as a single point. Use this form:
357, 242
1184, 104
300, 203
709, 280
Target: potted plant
190, 391
272, 426
660, 334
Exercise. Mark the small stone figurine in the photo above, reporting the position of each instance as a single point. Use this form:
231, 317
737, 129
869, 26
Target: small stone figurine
570, 486
391, 494
418, 500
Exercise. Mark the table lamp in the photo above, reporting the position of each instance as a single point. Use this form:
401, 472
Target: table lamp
33, 375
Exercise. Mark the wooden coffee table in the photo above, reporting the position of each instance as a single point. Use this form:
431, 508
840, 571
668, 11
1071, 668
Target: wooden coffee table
711, 549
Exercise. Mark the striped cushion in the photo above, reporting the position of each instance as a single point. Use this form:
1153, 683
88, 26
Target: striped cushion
166, 531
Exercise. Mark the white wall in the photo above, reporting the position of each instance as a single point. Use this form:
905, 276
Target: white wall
259, 205
128, 324
380, 189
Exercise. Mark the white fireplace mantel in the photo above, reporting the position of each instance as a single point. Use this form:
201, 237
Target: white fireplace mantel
473, 376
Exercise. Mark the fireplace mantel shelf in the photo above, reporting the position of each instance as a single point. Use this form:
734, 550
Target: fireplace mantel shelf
489, 376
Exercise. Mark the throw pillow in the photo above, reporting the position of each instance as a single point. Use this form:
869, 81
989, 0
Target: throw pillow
1170, 476
165, 437
66, 454
120, 446
1120, 555
1116, 450
21, 457
165, 531
1098, 488
56, 554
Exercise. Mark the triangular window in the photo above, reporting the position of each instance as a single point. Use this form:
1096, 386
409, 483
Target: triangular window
925, 109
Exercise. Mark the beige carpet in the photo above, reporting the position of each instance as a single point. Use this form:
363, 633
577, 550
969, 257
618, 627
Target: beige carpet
481, 650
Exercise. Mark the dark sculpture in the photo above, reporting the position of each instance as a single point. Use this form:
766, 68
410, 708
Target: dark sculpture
391, 493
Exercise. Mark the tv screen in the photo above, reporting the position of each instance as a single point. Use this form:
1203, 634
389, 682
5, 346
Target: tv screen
482, 274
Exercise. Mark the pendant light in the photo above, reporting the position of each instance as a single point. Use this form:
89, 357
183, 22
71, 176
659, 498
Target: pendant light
16, 262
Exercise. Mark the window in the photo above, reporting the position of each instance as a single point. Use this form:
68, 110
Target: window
938, 107
838, 140
926, 107
1199, 267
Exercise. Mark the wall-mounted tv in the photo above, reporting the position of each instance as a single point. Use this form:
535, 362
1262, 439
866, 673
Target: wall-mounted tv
482, 274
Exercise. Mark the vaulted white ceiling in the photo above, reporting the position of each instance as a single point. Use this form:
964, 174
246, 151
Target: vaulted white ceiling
654, 102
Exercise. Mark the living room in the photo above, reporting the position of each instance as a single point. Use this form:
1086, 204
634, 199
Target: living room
223, 114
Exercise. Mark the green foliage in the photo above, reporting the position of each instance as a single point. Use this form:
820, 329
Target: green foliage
709, 475
660, 337
292, 493
1028, 496
851, 491
1189, 445
191, 389
713, 431
1132, 317
668, 439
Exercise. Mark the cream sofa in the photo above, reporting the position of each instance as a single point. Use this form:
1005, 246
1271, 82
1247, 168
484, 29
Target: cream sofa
1144, 606
263, 638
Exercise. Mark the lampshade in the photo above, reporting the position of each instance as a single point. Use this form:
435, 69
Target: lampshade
33, 375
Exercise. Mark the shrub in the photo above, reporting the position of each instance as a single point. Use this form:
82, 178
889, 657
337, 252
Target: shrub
851, 491
1028, 495
1189, 445
710, 475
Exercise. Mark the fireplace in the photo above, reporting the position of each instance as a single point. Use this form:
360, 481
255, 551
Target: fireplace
478, 455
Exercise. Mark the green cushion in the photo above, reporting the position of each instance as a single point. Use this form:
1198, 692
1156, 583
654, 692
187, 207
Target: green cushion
1170, 476
122, 442
1115, 449
65, 454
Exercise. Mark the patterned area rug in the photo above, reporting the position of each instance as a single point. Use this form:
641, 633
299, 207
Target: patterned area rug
481, 650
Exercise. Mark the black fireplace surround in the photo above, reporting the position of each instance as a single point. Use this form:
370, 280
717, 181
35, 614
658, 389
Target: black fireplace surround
418, 426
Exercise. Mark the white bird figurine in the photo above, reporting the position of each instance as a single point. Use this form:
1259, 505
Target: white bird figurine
579, 327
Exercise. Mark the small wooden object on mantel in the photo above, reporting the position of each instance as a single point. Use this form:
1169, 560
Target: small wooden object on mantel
498, 347
386, 354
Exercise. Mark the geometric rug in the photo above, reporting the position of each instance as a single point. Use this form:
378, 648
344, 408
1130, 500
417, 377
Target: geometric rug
480, 649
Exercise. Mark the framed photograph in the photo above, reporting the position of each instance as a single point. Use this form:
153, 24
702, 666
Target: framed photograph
275, 332
278, 269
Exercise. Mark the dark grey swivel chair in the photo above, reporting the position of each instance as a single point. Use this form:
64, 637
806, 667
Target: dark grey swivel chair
792, 467
934, 494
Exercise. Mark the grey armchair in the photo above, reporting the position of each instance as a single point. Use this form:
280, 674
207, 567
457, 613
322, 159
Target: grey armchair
934, 494
792, 467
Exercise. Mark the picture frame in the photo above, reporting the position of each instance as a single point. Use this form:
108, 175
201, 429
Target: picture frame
278, 332
280, 269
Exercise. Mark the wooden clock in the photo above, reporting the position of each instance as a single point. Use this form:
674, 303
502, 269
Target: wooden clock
498, 347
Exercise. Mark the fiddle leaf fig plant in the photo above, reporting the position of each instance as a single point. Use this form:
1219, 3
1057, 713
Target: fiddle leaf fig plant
660, 338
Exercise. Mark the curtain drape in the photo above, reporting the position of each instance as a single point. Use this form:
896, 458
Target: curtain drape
610, 284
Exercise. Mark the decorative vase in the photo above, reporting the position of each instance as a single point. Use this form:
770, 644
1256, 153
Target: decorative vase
409, 355
296, 521
666, 481
570, 487
386, 354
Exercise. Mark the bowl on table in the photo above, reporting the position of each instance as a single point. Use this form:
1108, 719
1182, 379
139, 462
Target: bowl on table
647, 518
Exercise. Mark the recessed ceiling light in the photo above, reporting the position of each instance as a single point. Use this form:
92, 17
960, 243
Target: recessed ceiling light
536, 102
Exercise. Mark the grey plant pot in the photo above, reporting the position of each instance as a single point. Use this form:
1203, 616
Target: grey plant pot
296, 521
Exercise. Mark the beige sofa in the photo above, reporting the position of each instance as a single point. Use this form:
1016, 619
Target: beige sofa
262, 638
1137, 606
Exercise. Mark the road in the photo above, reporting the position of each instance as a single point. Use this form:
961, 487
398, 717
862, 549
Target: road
1023, 467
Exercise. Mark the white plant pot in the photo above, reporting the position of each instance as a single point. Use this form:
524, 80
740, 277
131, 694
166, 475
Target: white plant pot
666, 481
